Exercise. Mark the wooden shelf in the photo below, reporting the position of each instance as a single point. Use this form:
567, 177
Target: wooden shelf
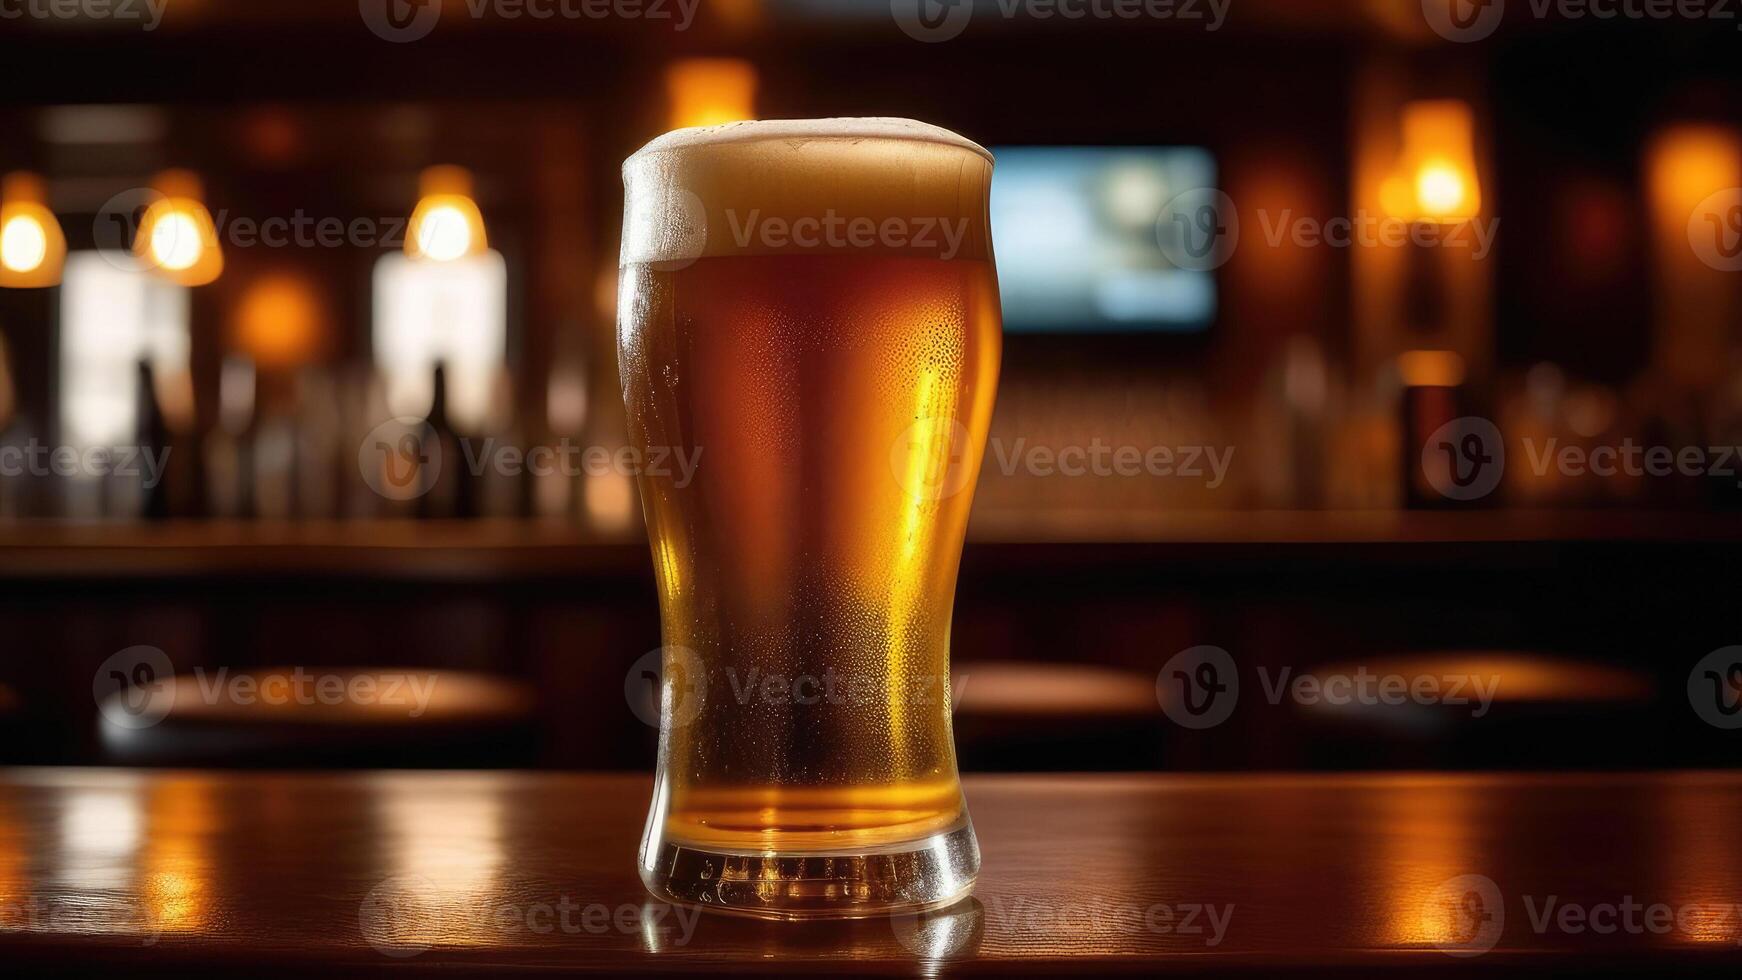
527, 548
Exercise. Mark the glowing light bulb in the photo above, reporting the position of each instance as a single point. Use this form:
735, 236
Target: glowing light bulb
446, 225
1436, 179
32, 247
175, 241
177, 237
444, 234
1439, 188
23, 244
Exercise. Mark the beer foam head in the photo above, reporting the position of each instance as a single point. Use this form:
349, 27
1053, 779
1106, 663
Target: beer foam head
786, 186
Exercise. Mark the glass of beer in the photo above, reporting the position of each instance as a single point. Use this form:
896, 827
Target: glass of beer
808, 312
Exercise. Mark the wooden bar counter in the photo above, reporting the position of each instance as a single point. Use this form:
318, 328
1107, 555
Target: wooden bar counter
465, 873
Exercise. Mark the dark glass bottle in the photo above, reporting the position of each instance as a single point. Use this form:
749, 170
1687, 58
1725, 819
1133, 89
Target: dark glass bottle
451, 490
153, 446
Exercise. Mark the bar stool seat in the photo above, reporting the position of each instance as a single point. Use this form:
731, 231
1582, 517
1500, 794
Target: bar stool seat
299, 717
1021, 716
1485, 708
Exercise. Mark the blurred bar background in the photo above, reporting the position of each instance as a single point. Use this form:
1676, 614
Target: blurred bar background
256, 236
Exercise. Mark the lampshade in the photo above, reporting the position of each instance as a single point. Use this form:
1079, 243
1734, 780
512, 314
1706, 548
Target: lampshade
32, 247
177, 238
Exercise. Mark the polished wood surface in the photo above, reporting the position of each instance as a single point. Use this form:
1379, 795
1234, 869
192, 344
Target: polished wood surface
494, 548
482, 873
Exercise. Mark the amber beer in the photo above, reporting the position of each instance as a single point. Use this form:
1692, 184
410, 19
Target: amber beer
810, 306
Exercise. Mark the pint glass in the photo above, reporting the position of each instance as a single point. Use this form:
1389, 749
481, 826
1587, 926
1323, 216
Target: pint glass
808, 325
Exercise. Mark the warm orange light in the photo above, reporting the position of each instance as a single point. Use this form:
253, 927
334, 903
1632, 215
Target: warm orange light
609, 499
1685, 165
1692, 173
1439, 188
1430, 369
177, 237
32, 246
1437, 179
737, 16
711, 91
447, 224
280, 321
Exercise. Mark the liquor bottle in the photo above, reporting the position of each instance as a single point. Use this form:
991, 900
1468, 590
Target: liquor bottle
153, 448
451, 491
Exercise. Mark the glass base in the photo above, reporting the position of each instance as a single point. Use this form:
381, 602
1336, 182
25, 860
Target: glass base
913, 876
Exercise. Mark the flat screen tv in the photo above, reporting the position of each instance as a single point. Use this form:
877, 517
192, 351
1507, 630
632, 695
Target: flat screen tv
1075, 232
